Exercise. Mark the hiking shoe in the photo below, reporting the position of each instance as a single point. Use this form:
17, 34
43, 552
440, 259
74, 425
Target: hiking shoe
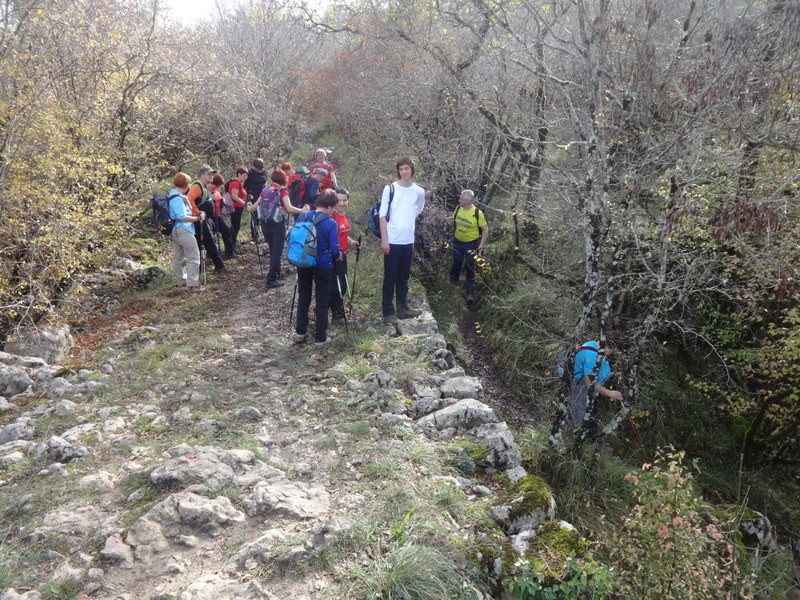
221, 271
323, 343
195, 288
408, 313
275, 284
470, 298
299, 338
337, 321
390, 319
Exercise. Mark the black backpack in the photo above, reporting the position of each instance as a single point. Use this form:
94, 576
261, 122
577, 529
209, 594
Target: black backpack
373, 214
161, 219
297, 192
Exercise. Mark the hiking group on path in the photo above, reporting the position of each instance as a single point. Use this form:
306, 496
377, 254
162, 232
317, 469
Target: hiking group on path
206, 208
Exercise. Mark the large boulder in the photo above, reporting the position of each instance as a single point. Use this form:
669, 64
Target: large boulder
461, 416
52, 344
214, 587
502, 451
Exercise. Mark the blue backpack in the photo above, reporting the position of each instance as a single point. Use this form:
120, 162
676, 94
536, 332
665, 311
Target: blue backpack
373, 218
302, 248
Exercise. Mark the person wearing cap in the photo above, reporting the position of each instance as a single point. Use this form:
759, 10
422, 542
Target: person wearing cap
397, 240
200, 200
313, 190
320, 162
470, 233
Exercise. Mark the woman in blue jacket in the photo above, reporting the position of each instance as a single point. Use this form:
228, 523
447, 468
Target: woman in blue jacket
321, 277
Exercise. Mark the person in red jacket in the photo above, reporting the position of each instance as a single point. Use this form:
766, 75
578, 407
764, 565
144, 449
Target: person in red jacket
339, 289
238, 195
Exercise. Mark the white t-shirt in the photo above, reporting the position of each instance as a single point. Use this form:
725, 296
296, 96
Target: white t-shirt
407, 203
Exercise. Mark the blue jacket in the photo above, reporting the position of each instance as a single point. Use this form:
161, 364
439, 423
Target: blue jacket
327, 239
585, 361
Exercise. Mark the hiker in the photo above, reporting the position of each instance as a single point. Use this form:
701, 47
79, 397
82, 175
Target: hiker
470, 233
200, 201
584, 377
236, 190
270, 206
320, 277
253, 184
329, 179
339, 287
313, 189
185, 252
397, 221
215, 189
296, 184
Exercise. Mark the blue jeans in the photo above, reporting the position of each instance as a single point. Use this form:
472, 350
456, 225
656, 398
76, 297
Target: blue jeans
464, 253
320, 280
396, 272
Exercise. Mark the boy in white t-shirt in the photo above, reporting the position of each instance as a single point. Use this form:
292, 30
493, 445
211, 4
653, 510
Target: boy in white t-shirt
397, 240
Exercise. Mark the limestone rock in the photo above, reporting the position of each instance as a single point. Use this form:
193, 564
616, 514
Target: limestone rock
461, 416
21, 429
424, 324
462, 387
197, 513
51, 344
13, 380
215, 587
116, 550
183, 471
292, 499
503, 452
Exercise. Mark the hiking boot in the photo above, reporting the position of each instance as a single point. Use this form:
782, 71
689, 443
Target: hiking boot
195, 288
237, 251
323, 343
229, 256
221, 271
275, 284
337, 321
408, 313
470, 298
390, 319
299, 338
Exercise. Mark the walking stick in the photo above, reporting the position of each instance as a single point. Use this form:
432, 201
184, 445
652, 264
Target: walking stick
341, 297
355, 271
254, 234
294, 295
202, 255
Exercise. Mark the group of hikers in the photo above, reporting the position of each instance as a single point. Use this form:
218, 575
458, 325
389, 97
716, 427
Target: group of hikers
209, 206
312, 195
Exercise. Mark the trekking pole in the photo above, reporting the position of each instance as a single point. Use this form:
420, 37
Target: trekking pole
254, 234
202, 255
341, 297
355, 271
294, 295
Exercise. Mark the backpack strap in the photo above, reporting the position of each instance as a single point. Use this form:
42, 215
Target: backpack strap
391, 197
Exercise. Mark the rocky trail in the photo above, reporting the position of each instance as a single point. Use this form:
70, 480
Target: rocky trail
190, 451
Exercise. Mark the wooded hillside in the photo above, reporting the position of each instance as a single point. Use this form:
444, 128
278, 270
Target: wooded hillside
637, 161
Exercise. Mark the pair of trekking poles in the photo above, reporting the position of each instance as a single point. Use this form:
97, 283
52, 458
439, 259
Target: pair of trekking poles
339, 286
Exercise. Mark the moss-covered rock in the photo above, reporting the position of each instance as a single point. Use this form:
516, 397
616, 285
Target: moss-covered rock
531, 502
555, 542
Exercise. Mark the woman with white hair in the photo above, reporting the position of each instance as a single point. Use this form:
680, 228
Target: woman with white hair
329, 182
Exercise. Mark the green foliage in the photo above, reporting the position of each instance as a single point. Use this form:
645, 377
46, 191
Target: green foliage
581, 579
664, 549
410, 572
61, 590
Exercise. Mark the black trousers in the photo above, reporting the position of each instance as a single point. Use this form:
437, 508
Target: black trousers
225, 234
205, 240
236, 224
275, 236
396, 271
320, 281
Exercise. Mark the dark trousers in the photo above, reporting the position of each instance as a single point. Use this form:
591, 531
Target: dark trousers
396, 271
464, 253
205, 240
339, 291
275, 236
236, 224
254, 234
320, 280
225, 233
